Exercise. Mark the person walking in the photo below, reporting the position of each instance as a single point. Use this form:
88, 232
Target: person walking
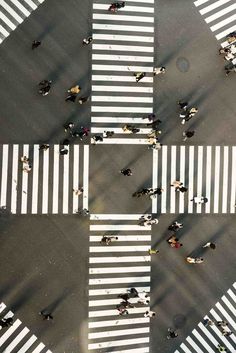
6, 322
115, 6
46, 316
150, 314
208, 322
209, 245
188, 134
78, 191
194, 260
106, 240
199, 199
75, 89
159, 70
45, 86
139, 76
35, 44
176, 184
171, 333
83, 100
183, 105
96, 139
153, 251
230, 69
126, 172
71, 97
87, 41
175, 226
44, 147
222, 348
63, 151
69, 126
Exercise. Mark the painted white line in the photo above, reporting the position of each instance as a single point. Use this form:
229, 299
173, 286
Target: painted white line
200, 2
185, 348
218, 332
9, 332
31, 4
146, 1
164, 179
114, 312
100, 227
108, 17
2, 307
182, 178
76, 178
122, 237
126, 8
7, 21
220, 13
39, 348
199, 176
118, 130
35, 181
194, 345
118, 343
226, 32
207, 333
28, 344
14, 180
226, 315
17, 339
118, 120
126, 48
115, 333
223, 23
138, 89
208, 179
190, 179
225, 180
21, 7
120, 78
111, 270
3, 32
111, 27
133, 58
232, 295
11, 11
5, 151
127, 99
109, 302
45, 181
135, 350
109, 291
233, 181
114, 323
103, 109
99, 281
217, 179
213, 6
55, 191
110, 249
229, 305
66, 160
142, 39
124, 141
203, 342
24, 190
101, 216
173, 178
122, 68
154, 178
119, 259
86, 176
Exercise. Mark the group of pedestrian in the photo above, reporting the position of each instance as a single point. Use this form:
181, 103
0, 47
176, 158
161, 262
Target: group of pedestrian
26, 164
142, 298
229, 52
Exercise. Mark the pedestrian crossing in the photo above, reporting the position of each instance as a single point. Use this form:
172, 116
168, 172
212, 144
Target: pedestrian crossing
220, 15
13, 13
17, 337
48, 187
208, 171
207, 338
113, 270
123, 43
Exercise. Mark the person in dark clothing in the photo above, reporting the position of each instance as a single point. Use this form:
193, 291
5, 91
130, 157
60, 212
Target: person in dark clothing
188, 134
127, 172
35, 44
71, 97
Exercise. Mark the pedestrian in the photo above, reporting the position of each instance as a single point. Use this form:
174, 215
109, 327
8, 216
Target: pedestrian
87, 40
183, 105
108, 133
150, 117
44, 147
143, 298
83, 100
96, 139
133, 292
191, 113
115, 6
154, 133
188, 134
35, 44
199, 199
176, 184
27, 168
159, 70
230, 69
123, 311
221, 348
127, 172
63, 151
71, 97
75, 89
149, 313
171, 333
182, 189
45, 87
208, 322
46, 316
82, 212
174, 242
108, 239
222, 323
66, 142
194, 260
78, 191
139, 76
226, 333
24, 159
6, 322
85, 131
209, 245
154, 123
175, 226
157, 191
124, 296
153, 251
69, 126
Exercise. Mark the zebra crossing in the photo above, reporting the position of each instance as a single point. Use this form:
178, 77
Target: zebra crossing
17, 336
48, 187
207, 338
208, 171
220, 15
113, 270
123, 43
13, 13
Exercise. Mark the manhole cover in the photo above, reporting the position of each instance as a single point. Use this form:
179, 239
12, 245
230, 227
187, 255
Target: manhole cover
182, 64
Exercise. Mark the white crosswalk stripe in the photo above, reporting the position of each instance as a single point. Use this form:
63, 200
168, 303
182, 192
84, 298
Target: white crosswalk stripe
206, 338
115, 274
220, 14
13, 13
17, 337
205, 170
48, 186
134, 50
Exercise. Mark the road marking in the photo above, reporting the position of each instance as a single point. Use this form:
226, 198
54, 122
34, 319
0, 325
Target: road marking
109, 216
9, 23
111, 27
220, 13
109, 57
17, 339
103, 36
14, 183
118, 343
126, 8
97, 238
213, 6
11, 11
132, 248
114, 323
5, 151
28, 344
127, 99
154, 178
122, 68
126, 48
138, 89
182, 178
24, 191
118, 130
223, 23
75, 178
113, 109
106, 270
39, 348
190, 179
199, 176
108, 17
66, 182
119, 259
217, 179
9, 332
86, 176
164, 179
172, 178
102, 227
208, 179
120, 78
55, 192
109, 291
226, 32
45, 181
202, 341
35, 180
233, 181
225, 180
115, 333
